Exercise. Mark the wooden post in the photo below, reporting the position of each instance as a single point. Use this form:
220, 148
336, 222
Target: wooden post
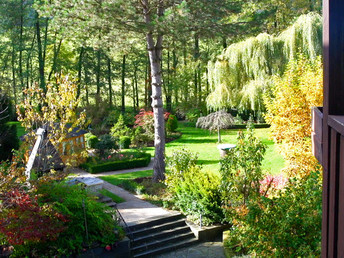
333, 54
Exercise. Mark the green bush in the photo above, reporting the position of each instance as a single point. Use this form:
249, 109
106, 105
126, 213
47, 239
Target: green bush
91, 140
118, 164
198, 193
295, 211
172, 123
193, 191
75, 207
120, 129
106, 142
124, 142
193, 114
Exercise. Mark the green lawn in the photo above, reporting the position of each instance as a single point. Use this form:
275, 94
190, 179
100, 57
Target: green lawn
20, 129
120, 178
205, 144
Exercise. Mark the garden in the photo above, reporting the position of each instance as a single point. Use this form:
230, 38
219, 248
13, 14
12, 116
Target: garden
167, 90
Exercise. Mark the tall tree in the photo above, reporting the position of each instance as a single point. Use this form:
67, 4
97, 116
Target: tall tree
121, 19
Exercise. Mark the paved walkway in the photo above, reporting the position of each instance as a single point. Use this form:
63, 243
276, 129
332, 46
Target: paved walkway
135, 210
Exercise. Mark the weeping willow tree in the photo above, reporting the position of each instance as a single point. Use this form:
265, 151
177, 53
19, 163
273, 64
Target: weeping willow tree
241, 75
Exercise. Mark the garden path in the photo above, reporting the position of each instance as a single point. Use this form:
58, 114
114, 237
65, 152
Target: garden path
135, 211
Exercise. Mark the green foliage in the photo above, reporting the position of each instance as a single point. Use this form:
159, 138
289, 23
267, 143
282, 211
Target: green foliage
193, 191
140, 138
295, 211
111, 195
241, 74
172, 123
118, 164
91, 140
106, 142
180, 161
241, 173
124, 142
78, 206
197, 193
193, 114
120, 129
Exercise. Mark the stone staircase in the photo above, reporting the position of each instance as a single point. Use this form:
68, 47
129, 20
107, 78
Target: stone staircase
160, 235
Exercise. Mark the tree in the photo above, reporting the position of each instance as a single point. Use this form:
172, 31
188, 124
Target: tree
216, 121
289, 113
242, 73
154, 19
56, 111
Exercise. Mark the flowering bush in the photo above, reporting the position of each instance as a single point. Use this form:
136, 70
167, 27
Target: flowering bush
271, 184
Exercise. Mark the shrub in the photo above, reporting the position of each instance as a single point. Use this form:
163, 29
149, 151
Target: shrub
198, 193
193, 114
194, 192
295, 211
124, 142
172, 123
181, 160
78, 206
91, 140
120, 129
140, 138
106, 142
118, 164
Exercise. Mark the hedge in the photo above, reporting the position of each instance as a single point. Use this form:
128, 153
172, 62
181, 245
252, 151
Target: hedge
117, 165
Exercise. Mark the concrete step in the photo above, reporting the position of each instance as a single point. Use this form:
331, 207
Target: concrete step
159, 235
158, 228
156, 221
104, 199
167, 248
158, 243
111, 204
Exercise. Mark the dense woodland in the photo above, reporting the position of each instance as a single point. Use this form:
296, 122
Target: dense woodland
111, 67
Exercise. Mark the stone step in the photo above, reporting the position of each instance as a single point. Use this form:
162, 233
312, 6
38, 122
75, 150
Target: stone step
157, 228
104, 199
156, 221
111, 204
159, 235
167, 248
157, 243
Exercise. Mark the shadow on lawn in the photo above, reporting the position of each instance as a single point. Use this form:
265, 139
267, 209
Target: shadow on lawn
206, 162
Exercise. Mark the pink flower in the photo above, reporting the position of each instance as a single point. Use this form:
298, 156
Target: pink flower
109, 157
271, 184
108, 248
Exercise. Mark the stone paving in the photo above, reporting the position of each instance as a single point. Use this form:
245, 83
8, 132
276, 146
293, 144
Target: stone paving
135, 211
202, 250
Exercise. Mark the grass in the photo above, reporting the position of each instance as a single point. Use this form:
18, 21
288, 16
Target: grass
205, 144
118, 179
114, 197
20, 129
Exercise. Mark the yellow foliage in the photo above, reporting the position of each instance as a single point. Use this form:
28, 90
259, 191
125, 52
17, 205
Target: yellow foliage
289, 113
56, 110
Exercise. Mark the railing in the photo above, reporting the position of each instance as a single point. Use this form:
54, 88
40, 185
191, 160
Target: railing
329, 149
126, 227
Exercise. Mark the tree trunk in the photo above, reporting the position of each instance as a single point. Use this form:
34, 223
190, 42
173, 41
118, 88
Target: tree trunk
168, 86
174, 72
79, 72
123, 85
146, 84
28, 61
136, 89
21, 77
218, 135
56, 53
98, 78
154, 51
109, 81
14, 82
40, 55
